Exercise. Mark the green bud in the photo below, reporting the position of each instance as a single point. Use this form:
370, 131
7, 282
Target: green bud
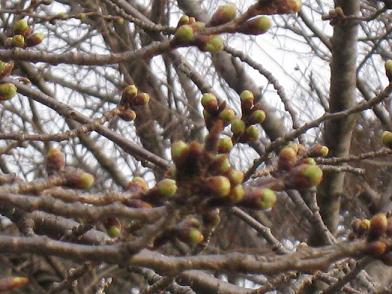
259, 199
218, 185
225, 145
252, 133
378, 226
209, 102
140, 99
5, 68
7, 91
227, 115
257, 117
55, 161
21, 27
127, 114
79, 179
247, 95
184, 20
256, 26
235, 176
287, 158
18, 41
236, 194
195, 236
238, 127
224, 14
178, 150
137, 184
184, 35
34, 39
167, 187
213, 44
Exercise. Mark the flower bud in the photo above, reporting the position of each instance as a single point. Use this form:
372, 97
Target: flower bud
378, 226
303, 176
287, 158
55, 161
247, 101
184, 35
179, 151
224, 14
209, 102
238, 127
220, 164
318, 150
225, 145
18, 41
127, 114
212, 217
184, 20
236, 194
257, 117
21, 27
140, 99
210, 43
79, 179
113, 227
167, 187
218, 185
227, 115
376, 248
251, 134
256, 26
5, 68
235, 176
34, 39
259, 199
129, 93
7, 91
137, 185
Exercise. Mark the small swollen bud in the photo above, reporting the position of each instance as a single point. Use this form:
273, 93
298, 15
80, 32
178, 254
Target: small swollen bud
137, 184
318, 150
236, 194
211, 218
387, 139
34, 39
218, 185
167, 187
210, 43
188, 231
294, 5
21, 27
259, 199
209, 102
227, 115
235, 176
388, 69
303, 176
55, 161
238, 127
179, 150
247, 101
221, 164
257, 117
376, 248
252, 134
129, 93
378, 226
198, 26
256, 26
112, 226
225, 145
184, 35
287, 158
79, 179
140, 99
10, 283
184, 19
193, 236
127, 114
18, 41
5, 68
7, 91
224, 14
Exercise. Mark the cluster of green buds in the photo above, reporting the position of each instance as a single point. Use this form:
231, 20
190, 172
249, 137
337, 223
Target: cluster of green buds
189, 33
375, 230
23, 36
131, 99
296, 167
74, 178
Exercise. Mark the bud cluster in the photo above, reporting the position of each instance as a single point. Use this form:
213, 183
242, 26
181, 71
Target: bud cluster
296, 168
374, 230
23, 36
131, 99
